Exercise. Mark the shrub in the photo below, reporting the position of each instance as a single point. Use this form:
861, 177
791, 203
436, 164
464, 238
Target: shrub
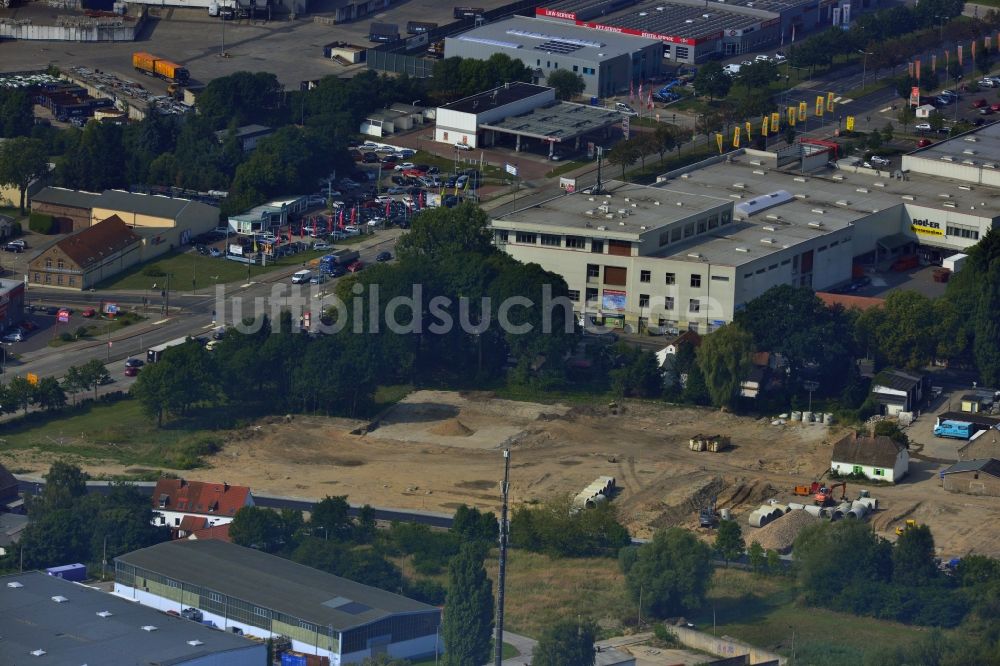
66, 336
41, 223
80, 332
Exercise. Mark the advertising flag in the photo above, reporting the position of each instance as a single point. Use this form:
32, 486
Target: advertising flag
934, 63
973, 51
775, 121
763, 126
947, 59
909, 68
850, 123
803, 109
914, 96
736, 137
718, 140
819, 105
917, 70
631, 92
649, 100
959, 54
640, 92
986, 42
749, 130
829, 102
791, 116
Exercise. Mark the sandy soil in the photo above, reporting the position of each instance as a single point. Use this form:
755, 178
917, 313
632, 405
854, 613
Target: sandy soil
437, 450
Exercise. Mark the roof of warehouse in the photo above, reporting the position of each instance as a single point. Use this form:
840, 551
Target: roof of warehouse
592, 8
978, 147
72, 632
560, 121
272, 582
505, 94
896, 379
678, 20
153, 205
523, 36
989, 466
60, 196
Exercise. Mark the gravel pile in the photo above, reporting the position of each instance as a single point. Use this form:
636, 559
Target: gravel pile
780, 535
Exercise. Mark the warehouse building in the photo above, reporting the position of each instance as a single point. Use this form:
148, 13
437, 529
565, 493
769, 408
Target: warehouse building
606, 62
694, 249
48, 620
693, 30
520, 115
268, 596
973, 477
85, 258
69, 208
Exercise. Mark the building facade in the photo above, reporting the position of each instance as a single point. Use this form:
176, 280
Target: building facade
69, 208
203, 504
973, 477
877, 458
11, 303
458, 122
85, 258
898, 391
269, 596
608, 63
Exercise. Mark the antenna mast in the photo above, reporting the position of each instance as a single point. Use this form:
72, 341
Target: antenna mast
502, 574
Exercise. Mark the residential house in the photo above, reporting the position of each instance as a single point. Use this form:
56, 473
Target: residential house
688, 337
247, 135
11, 527
86, 257
973, 477
878, 458
177, 500
217, 532
897, 391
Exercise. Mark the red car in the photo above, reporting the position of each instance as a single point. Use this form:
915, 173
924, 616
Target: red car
979, 103
88, 312
355, 267
923, 143
131, 371
995, 107
412, 173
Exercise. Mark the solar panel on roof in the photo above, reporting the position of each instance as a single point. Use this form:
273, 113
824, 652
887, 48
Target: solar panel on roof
546, 37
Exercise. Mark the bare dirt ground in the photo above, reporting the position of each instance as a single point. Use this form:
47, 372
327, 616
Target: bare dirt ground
437, 450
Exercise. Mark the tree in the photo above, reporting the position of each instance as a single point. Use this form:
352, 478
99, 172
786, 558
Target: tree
712, 80
724, 360
906, 116
184, 376
566, 643
729, 540
468, 619
757, 557
17, 116
904, 86
92, 374
646, 144
331, 515
567, 84
256, 527
903, 332
935, 120
913, 558
638, 373
667, 136
65, 484
834, 558
789, 134
20, 394
444, 232
954, 70
874, 139
475, 526
49, 394
22, 160
624, 154
671, 573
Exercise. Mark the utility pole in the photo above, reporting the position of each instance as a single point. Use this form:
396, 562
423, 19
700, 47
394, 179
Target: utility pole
600, 156
502, 572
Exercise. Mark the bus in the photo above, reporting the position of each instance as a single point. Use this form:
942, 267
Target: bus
155, 353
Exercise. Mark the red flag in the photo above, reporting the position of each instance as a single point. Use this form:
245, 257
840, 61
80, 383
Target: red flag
341, 218
918, 70
631, 92
973, 51
649, 99
959, 54
640, 92
387, 204
354, 213
302, 229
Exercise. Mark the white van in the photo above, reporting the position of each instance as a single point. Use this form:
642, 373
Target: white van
301, 277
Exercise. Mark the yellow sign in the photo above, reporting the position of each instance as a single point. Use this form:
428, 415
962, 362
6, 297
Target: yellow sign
850, 123
32, 379
803, 109
927, 228
749, 130
829, 102
736, 137
775, 121
819, 105
763, 126
718, 140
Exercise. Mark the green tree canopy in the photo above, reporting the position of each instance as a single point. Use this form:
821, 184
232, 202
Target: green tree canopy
566, 643
468, 619
567, 84
22, 160
671, 573
712, 80
729, 540
724, 360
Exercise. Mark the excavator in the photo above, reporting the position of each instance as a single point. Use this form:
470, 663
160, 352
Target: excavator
824, 495
902, 528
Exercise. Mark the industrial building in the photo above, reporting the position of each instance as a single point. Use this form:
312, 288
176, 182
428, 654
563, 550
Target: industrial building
693, 30
607, 62
973, 477
267, 596
520, 115
47, 620
708, 238
11, 306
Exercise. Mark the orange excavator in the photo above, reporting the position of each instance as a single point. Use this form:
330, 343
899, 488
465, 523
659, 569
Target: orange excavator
824, 495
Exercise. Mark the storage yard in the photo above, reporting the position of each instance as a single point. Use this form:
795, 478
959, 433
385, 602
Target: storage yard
437, 450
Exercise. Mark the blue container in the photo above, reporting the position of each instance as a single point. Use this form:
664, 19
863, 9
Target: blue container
594, 101
289, 659
74, 572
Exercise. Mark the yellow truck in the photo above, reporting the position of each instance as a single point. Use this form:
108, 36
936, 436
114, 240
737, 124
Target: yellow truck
152, 65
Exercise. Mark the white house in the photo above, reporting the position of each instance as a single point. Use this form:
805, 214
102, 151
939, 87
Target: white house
216, 503
877, 458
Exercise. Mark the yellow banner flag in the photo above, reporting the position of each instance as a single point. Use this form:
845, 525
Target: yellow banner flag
718, 140
819, 105
736, 137
791, 116
749, 130
763, 126
775, 121
829, 102
850, 123
803, 109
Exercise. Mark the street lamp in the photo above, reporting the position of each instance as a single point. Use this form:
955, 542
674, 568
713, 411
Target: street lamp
864, 68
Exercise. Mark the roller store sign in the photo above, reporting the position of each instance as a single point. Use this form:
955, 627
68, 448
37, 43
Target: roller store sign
927, 228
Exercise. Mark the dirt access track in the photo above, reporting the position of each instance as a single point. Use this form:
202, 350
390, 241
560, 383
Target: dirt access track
436, 450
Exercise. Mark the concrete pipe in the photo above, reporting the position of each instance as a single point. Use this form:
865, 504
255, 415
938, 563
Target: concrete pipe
859, 504
836, 514
828, 418
844, 507
783, 508
796, 416
795, 506
759, 519
807, 417
596, 501
870, 502
858, 512
812, 510
726, 514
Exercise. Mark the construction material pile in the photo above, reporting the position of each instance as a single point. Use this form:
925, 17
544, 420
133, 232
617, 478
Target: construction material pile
780, 534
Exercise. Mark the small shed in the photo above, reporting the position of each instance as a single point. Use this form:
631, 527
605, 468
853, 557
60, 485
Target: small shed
973, 477
924, 110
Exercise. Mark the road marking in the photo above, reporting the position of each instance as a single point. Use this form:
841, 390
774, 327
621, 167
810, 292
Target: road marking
162, 321
888, 108
212, 325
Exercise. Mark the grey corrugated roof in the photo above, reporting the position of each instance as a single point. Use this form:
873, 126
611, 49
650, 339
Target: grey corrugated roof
272, 582
72, 633
142, 204
60, 196
989, 466
896, 379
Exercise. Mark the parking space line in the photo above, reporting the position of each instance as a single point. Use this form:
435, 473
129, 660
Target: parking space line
162, 321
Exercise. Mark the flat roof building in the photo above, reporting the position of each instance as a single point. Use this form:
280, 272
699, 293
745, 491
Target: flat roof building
691, 251
50, 620
607, 62
266, 596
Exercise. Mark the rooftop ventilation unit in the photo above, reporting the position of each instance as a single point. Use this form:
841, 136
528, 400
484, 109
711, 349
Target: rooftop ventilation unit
768, 228
742, 249
195, 643
768, 241
950, 204
816, 225
761, 203
59, 599
104, 613
554, 38
947, 158
843, 202
694, 255
148, 627
968, 151
14, 584
38, 653
489, 42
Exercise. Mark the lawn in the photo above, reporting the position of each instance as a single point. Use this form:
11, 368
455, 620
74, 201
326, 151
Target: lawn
118, 432
96, 328
466, 160
566, 167
190, 269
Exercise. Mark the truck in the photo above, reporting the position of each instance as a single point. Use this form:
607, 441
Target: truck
383, 32
338, 258
302, 277
954, 429
467, 12
154, 354
419, 27
152, 65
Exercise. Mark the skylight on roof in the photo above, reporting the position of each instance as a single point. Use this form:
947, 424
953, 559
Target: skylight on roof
489, 42
554, 38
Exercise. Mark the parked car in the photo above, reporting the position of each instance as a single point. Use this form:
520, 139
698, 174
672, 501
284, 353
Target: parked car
355, 266
780, 57
215, 252
995, 107
463, 146
879, 161
922, 127
317, 279
980, 103
383, 256
762, 58
352, 230
923, 143
986, 111
18, 245
369, 158
192, 614
622, 107
403, 166
338, 271
14, 336
88, 312
321, 246
131, 371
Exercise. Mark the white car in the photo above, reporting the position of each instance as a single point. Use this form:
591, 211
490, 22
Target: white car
403, 166
351, 230
878, 161
383, 198
923, 127
622, 107
463, 146
780, 57
13, 336
375, 221
321, 246
762, 58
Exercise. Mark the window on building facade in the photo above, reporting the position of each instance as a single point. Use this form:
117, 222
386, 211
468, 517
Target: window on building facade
695, 280
644, 276
551, 240
576, 242
668, 302
61, 264
694, 305
48, 263
671, 278
593, 271
591, 294
48, 279
523, 237
502, 236
573, 294
643, 300
59, 279
597, 246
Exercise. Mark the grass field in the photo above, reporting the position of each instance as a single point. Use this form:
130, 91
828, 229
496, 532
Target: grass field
96, 328
118, 432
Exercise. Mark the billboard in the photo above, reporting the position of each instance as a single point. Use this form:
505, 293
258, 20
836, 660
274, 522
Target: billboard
613, 299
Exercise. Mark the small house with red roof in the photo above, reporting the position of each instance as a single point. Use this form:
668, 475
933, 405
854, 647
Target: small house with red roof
190, 506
